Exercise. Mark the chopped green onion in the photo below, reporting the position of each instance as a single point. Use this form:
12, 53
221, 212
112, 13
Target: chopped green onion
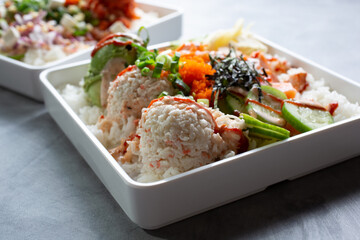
147, 40
176, 57
140, 64
141, 49
157, 70
172, 77
145, 71
17, 57
163, 94
150, 62
179, 84
205, 101
80, 32
180, 93
147, 55
174, 66
165, 59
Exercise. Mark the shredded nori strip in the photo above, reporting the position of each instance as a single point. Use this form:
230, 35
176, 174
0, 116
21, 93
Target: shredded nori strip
234, 72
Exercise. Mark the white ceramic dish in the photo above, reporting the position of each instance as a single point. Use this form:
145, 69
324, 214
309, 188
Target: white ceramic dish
24, 78
153, 205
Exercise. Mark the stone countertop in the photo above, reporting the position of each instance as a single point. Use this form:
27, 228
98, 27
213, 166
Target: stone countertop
47, 191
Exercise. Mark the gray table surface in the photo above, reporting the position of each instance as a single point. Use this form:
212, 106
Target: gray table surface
47, 191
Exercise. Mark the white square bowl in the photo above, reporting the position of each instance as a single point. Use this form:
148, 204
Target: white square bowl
153, 205
24, 78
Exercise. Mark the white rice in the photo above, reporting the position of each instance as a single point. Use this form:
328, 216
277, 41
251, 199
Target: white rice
75, 97
40, 56
319, 92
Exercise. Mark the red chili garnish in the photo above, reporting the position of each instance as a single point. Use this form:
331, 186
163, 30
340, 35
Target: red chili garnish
262, 105
311, 105
128, 69
333, 107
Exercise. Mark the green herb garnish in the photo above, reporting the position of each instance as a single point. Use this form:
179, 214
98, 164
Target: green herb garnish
157, 70
55, 14
26, 6
80, 32
147, 40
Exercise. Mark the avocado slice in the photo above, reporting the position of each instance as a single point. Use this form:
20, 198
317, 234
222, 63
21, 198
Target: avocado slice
264, 130
121, 46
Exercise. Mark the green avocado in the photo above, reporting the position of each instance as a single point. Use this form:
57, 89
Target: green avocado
127, 52
93, 92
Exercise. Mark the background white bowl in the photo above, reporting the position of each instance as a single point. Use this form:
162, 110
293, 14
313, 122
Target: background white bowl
24, 78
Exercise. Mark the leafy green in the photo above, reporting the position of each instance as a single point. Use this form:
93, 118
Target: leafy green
17, 57
26, 6
147, 40
80, 32
55, 14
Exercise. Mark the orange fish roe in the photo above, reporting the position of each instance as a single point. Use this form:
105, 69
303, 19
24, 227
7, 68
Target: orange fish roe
193, 49
191, 46
193, 70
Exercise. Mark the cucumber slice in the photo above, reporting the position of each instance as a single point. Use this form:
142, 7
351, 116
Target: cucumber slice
304, 118
263, 113
205, 101
271, 96
235, 102
264, 130
273, 91
224, 107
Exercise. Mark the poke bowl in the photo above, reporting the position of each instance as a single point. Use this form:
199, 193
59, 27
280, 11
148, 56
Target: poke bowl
60, 32
174, 143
